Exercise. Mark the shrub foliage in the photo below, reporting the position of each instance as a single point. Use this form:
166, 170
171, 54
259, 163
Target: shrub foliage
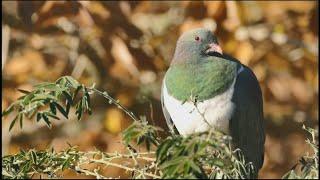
202, 155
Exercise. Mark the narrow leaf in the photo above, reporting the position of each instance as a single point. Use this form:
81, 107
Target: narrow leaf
53, 116
13, 122
21, 119
34, 157
195, 167
46, 85
60, 108
76, 93
53, 108
67, 96
72, 81
8, 110
24, 91
39, 116
46, 120
66, 163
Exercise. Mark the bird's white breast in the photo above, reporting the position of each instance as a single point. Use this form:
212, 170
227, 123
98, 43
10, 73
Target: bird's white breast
215, 112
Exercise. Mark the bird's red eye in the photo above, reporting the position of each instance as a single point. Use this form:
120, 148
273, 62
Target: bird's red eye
197, 38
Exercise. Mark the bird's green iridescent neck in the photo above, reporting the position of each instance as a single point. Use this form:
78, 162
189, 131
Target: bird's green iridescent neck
203, 79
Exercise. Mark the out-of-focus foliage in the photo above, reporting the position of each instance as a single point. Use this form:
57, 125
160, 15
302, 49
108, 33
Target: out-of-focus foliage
125, 48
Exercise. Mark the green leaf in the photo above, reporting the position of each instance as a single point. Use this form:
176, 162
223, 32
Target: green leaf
68, 97
195, 167
163, 149
24, 91
76, 93
72, 81
60, 108
42, 160
88, 100
39, 116
46, 120
79, 109
21, 119
31, 113
34, 156
174, 162
38, 97
46, 85
62, 81
27, 98
52, 115
66, 163
68, 105
13, 122
8, 110
53, 108
148, 144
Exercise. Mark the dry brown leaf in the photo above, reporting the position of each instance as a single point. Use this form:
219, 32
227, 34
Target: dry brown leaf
190, 23
280, 87
215, 9
277, 112
301, 91
230, 46
48, 5
233, 20
260, 70
30, 62
250, 11
275, 10
275, 150
122, 55
125, 98
244, 52
276, 63
284, 87
84, 18
96, 8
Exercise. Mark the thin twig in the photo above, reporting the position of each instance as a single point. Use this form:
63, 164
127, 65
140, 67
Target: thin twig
125, 167
112, 100
87, 172
201, 114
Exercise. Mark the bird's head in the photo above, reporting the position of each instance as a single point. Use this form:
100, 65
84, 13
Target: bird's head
196, 43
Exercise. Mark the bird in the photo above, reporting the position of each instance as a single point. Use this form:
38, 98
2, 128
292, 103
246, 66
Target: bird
205, 88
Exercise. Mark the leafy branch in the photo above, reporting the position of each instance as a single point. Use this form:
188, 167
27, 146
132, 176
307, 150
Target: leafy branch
309, 164
202, 155
199, 156
48, 98
51, 164
60, 96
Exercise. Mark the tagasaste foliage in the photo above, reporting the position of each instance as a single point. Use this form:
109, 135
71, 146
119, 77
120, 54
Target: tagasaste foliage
202, 155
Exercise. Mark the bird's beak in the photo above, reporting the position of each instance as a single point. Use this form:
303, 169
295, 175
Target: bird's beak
213, 47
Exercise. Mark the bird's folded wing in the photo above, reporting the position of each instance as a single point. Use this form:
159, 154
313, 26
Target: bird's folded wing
247, 126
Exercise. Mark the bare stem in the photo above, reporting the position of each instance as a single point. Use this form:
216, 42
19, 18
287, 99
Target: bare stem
124, 167
113, 101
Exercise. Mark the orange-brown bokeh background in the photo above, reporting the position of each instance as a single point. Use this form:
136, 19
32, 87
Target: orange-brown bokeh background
126, 47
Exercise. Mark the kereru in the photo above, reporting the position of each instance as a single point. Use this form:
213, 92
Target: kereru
205, 88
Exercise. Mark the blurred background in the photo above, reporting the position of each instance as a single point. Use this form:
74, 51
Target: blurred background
126, 47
